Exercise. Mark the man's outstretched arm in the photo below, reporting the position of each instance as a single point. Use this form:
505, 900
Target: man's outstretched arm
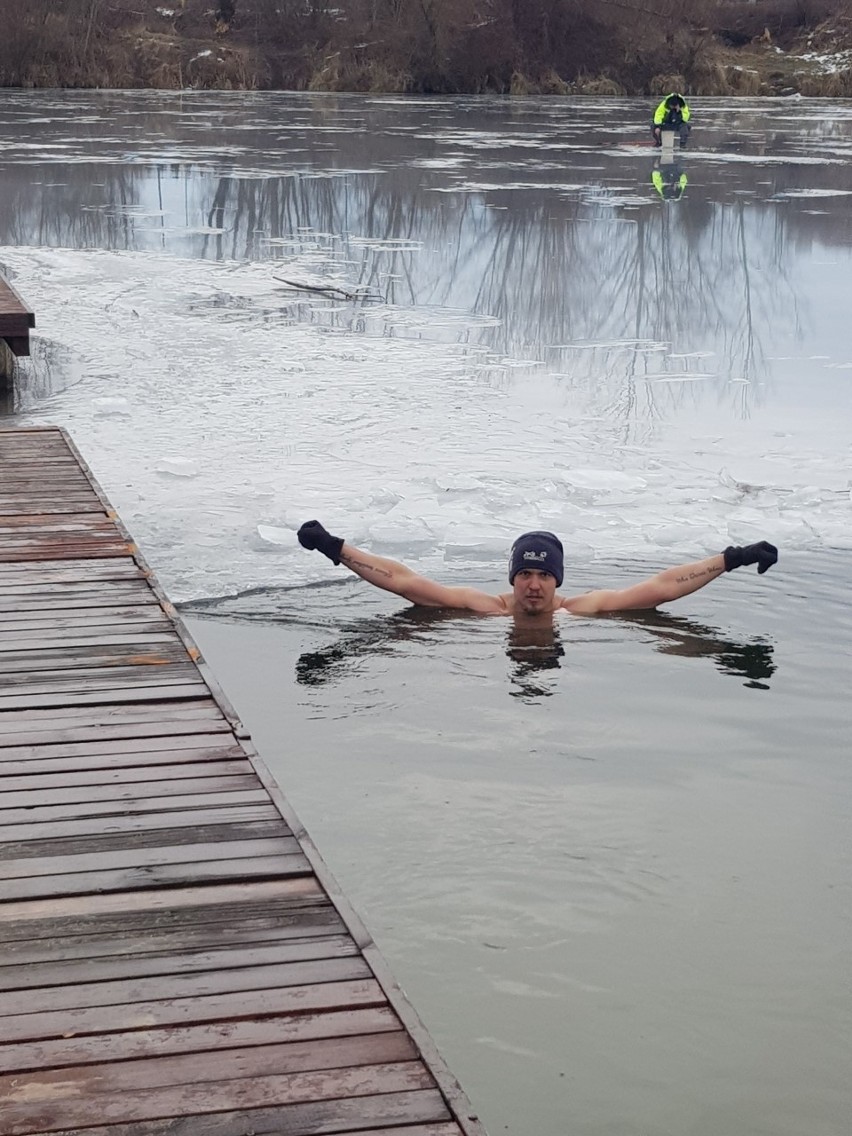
394, 577
674, 583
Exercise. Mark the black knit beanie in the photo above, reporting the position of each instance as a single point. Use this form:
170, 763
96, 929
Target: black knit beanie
540, 550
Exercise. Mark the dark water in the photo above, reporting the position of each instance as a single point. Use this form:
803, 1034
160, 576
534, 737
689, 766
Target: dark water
610, 866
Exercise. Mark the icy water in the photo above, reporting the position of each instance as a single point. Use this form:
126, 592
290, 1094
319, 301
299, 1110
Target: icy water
610, 865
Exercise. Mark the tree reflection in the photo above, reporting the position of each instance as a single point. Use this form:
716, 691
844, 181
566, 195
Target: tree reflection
582, 271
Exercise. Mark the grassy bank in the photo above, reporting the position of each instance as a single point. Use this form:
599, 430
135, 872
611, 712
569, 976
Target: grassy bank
619, 47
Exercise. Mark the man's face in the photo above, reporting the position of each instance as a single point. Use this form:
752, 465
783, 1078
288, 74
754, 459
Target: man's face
534, 590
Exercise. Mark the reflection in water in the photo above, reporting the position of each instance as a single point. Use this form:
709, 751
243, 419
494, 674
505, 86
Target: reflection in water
535, 647
676, 635
376, 635
425, 206
669, 179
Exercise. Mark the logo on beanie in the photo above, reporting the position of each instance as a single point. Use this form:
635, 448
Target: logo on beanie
535, 556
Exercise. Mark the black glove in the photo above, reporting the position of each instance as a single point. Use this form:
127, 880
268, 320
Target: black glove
763, 554
313, 535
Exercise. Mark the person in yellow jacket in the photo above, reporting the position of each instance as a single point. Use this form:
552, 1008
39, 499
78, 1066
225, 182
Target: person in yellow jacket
671, 114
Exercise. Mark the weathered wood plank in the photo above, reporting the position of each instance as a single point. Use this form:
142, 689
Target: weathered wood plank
86, 844
314, 1118
186, 898
118, 761
30, 977
164, 987
95, 678
102, 656
32, 800
11, 621
152, 855
157, 876
196, 1008
47, 736
105, 591
48, 942
121, 776
131, 806
214, 812
92, 1082
97, 698
94, 1048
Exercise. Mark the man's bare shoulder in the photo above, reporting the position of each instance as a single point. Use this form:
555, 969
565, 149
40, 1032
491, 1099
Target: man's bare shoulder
589, 603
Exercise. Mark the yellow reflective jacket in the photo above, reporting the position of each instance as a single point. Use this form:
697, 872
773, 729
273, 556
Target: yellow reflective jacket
671, 191
660, 112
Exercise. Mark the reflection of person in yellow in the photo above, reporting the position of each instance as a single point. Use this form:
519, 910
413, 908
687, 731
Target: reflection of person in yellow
671, 114
669, 180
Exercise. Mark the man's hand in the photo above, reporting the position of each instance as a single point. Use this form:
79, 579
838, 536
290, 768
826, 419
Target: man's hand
312, 535
763, 554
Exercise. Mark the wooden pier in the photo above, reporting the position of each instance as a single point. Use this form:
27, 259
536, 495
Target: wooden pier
16, 319
175, 959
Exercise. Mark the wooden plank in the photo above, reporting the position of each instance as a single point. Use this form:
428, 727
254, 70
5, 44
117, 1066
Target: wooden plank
11, 621
127, 807
125, 747
209, 1037
213, 1096
33, 800
30, 977
96, 678
160, 694
122, 776
91, 1081
101, 656
214, 812
187, 898
313, 1118
47, 736
141, 856
141, 936
139, 639
117, 761
107, 591
11, 721
160, 876
68, 1003
69, 571
62, 847
196, 1008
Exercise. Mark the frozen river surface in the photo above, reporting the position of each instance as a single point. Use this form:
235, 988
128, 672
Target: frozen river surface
611, 869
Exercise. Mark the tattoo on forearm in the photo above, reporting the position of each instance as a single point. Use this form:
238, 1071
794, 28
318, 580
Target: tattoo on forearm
363, 566
687, 578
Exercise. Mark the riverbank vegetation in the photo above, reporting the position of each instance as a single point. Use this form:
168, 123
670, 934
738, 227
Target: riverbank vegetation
614, 47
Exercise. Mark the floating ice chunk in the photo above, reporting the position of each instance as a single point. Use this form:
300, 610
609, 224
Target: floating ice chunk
383, 500
177, 467
281, 538
604, 480
402, 532
465, 538
458, 482
110, 406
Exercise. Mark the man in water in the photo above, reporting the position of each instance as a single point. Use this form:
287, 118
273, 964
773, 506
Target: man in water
535, 572
671, 114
